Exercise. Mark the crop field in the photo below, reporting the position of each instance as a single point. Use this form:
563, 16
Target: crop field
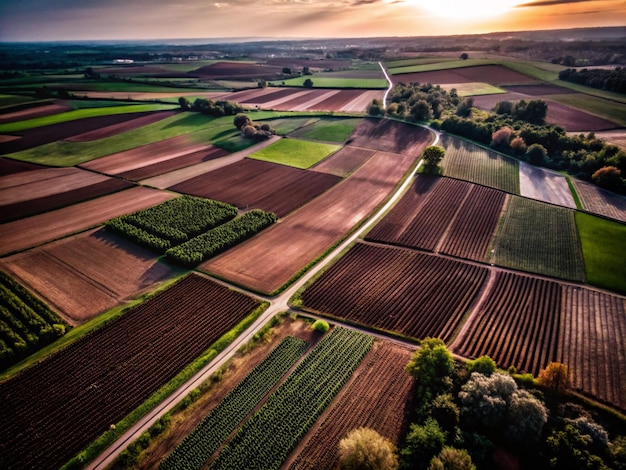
33, 110
269, 436
470, 162
473, 88
600, 201
328, 129
84, 275
115, 129
539, 238
99, 379
376, 398
517, 324
345, 161
37, 229
545, 185
295, 153
393, 289
206, 438
245, 184
495, 75
336, 80
32, 192
26, 323
603, 244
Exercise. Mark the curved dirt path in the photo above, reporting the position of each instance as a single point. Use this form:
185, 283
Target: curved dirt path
277, 304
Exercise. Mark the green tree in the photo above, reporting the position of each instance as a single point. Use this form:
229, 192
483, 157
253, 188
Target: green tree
375, 108
421, 111
446, 413
432, 156
365, 449
536, 154
423, 442
568, 448
242, 120
320, 326
464, 56
184, 103
452, 459
483, 365
308, 83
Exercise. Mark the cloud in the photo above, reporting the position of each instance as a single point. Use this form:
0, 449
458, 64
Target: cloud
545, 3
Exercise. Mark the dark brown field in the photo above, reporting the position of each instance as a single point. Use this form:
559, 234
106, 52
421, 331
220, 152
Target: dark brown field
99, 379
492, 74
122, 127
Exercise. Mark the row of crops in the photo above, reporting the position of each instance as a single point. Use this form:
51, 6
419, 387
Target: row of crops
215, 428
190, 229
268, 437
26, 323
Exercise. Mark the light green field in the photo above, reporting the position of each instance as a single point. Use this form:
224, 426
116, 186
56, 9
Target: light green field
295, 153
80, 114
320, 81
10, 100
328, 129
474, 89
603, 243
394, 64
452, 64
284, 126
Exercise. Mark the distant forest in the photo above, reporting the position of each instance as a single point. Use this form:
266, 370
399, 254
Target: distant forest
611, 80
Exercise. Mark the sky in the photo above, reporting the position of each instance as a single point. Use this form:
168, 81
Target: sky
76, 20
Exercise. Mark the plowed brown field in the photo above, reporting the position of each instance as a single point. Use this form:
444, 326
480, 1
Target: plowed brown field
345, 161
600, 201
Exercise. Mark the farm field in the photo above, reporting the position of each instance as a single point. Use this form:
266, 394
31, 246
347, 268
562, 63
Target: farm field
327, 129
600, 201
540, 238
38, 229
244, 184
468, 161
295, 153
84, 275
496, 75
345, 161
545, 185
376, 397
393, 289
527, 322
93, 383
43, 109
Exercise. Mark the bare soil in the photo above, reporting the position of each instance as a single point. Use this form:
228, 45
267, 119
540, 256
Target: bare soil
36, 230
84, 275
545, 185
10, 167
34, 112
492, 74
122, 127
345, 161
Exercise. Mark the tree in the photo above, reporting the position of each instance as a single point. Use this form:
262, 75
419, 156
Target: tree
464, 108
536, 154
518, 146
308, 83
432, 365
242, 120
286, 71
554, 377
420, 111
608, 177
500, 139
503, 107
306, 71
432, 156
364, 448
184, 103
320, 326
446, 413
568, 448
423, 442
452, 459
464, 56
376, 108
483, 365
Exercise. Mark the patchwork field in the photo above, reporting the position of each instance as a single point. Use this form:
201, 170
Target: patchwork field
545, 185
496, 75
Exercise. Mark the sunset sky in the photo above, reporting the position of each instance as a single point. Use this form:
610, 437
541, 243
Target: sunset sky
35, 20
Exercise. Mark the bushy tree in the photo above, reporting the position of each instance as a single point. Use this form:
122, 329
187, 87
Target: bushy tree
503, 107
320, 326
421, 111
432, 156
518, 146
432, 365
464, 108
445, 411
568, 448
423, 442
452, 459
536, 154
554, 377
376, 108
608, 177
308, 83
184, 103
365, 449
500, 139
483, 365
242, 120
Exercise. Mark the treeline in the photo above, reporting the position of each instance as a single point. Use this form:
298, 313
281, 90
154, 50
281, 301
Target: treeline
26, 323
212, 108
516, 129
603, 79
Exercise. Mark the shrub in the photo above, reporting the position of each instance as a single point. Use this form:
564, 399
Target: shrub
432, 366
554, 377
452, 459
483, 365
422, 443
608, 177
365, 448
320, 326
432, 156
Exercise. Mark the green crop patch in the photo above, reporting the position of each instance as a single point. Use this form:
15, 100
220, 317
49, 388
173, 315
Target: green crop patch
540, 238
295, 153
603, 243
328, 129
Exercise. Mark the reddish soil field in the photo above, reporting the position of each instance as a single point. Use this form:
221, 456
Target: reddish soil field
147, 155
223, 70
338, 101
134, 70
122, 127
601, 201
574, 120
46, 134
267, 97
539, 89
375, 397
390, 136
272, 258
345, 161
33, 231
488, 102
394, 289
246, 184
492, 74
84, 388
592, 343
299, 100
516, 323
34, 112
311, 63
10, 167
85, 275
360, 103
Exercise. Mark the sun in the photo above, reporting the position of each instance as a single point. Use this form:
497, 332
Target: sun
463, 9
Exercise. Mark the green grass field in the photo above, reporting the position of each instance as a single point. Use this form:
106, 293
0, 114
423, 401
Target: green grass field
475, 89
539, 238
200, 127
607, 109
603, 243
295, 153
81, 114
446, 65
328, 81
394, 64
328, 129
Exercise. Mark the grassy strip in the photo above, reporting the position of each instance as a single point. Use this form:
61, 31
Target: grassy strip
453, 64
116, 431
603, 243
80, 114
296, 153
575, 196
320, 81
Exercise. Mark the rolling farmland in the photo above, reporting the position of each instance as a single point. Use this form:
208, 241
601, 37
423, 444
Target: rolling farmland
100, 378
